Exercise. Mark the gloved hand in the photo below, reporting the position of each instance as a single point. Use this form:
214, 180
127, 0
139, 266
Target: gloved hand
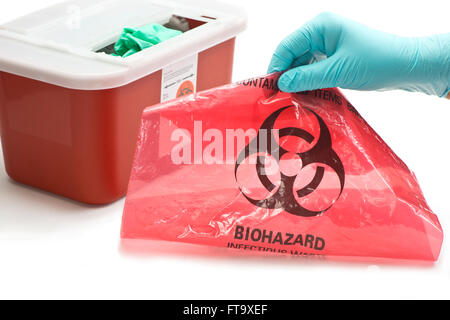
331, 51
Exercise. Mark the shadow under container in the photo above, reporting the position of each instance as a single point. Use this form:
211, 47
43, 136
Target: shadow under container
70, 116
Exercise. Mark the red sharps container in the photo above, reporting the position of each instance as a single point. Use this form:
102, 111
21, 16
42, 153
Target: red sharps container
70, 112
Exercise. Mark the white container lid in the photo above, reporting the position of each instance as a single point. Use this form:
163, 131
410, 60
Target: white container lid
58, 44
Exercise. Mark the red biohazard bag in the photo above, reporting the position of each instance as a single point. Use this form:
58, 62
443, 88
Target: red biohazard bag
247, 167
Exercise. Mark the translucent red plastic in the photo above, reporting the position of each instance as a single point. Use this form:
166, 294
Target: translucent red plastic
247, 167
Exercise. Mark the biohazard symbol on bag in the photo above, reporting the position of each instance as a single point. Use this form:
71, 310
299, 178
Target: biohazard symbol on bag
282, 193
185, 89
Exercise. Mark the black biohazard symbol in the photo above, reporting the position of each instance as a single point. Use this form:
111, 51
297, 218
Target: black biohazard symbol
321, 154
185, 89
185, 92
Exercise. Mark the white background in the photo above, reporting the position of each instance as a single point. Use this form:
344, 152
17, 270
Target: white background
54, 248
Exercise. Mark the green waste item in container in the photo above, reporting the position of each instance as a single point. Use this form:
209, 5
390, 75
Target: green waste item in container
134, 40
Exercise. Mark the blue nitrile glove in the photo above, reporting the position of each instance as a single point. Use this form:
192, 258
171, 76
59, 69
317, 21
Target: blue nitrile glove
331, 51
134, 40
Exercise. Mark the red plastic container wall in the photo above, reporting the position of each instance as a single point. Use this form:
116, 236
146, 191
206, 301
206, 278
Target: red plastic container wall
80, 144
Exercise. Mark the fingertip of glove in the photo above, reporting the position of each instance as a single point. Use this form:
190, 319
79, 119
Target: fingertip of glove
286, 82
274, 68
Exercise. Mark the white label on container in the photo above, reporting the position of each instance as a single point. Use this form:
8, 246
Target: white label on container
179, 79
